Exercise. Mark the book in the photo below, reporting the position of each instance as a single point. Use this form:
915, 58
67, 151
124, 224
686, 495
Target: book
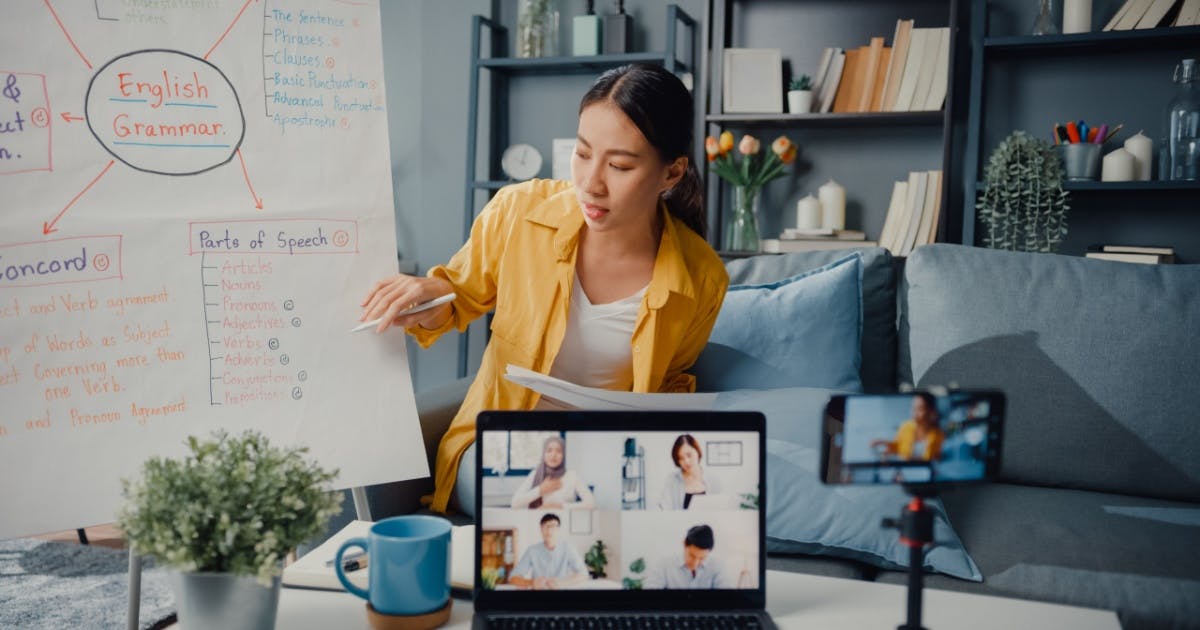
941, 74
1145, 259
933, 190
781, 246
1189, 13
822, 234
833, 80
885, 58
931, 236
1135, 13
1134, 253
866, 89
314, 571
891, 83
850, 72
913, 206
818, 83
929, 58
1155, 14
895, 209
912, 68
1138, 249
1119, 15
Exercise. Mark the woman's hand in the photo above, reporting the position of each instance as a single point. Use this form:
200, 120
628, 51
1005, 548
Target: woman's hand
399, 292
549, 485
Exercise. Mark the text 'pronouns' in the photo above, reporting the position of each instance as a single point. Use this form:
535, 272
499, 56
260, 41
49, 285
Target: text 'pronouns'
274, 236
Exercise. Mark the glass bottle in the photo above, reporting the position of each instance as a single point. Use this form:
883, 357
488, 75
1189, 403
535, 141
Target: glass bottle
1044, 23
537, 29
1181, 154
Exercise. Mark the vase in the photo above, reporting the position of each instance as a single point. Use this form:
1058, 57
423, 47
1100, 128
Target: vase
799, 101
1044, 24
741, 230
224, 600
537, 29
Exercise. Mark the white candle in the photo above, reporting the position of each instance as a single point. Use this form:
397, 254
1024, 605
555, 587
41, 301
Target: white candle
808, 213
1117, 167
1141, 148
1077, 16
833, 205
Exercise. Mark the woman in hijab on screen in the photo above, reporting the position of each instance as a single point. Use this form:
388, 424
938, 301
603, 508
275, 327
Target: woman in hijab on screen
551, 484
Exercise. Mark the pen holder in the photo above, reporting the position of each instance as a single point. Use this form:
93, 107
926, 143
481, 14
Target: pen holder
1081, 160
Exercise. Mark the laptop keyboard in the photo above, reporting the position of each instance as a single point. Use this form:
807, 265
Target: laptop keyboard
626, 622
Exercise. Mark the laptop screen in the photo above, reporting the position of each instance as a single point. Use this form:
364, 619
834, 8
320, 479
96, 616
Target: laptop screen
620, 507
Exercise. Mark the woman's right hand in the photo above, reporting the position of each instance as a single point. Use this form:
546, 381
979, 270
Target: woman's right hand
549, 485
392, 295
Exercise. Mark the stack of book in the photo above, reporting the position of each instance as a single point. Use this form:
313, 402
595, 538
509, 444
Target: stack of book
1133, 254
912, 217
807, 240
1139, 14
908, 76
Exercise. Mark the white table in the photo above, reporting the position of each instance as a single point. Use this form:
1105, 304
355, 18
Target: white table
794, 600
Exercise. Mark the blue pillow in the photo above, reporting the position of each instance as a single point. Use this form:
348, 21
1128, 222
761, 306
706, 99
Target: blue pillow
807, 516
801, 331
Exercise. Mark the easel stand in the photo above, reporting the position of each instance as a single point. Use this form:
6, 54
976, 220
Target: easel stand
361, 508
916, 531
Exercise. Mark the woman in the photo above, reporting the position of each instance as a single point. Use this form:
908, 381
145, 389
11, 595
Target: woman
606, 279
551, 485
687, 480
919, 438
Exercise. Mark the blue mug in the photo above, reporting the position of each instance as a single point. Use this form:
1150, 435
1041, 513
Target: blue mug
408, 565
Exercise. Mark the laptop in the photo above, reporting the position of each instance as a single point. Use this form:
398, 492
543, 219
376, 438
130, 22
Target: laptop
580, 520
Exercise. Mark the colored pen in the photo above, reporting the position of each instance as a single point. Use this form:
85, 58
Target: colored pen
424, 306
346, 558
1072, 131
1083, 131
355, 565
1112, 133
1062, 133
1100, 134
1091, 135
1056, 132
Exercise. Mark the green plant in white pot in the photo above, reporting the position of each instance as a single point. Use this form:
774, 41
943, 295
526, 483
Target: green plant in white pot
225, 516
1022, 205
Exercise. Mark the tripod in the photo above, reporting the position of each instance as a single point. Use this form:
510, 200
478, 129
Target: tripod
916, 531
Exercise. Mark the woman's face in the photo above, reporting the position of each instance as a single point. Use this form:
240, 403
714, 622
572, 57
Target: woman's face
618, 174
688, 458
553, 455
922, 413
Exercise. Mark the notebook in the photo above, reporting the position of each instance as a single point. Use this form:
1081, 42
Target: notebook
605, 525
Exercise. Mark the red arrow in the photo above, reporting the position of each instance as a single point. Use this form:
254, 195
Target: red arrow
66, 116
257, 202
49, 227
222, 37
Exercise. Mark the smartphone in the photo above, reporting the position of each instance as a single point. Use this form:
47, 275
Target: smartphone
912, 438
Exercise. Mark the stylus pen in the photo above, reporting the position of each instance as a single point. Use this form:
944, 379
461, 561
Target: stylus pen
424, 306
346, 558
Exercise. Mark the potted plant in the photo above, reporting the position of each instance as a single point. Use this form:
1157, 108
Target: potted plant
224, 516
596, 559
748, 175
1023, 205
800, 95
636, 579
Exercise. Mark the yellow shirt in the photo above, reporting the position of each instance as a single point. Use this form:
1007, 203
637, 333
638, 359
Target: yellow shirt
520, 261
906, 440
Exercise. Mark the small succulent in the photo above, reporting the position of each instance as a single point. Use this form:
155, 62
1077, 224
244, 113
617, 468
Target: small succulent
803, 83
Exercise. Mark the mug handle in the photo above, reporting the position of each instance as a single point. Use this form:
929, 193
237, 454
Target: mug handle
337, 566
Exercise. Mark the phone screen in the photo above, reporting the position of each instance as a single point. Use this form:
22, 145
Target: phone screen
912, 438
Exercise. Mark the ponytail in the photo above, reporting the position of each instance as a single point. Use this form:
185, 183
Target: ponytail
686, 201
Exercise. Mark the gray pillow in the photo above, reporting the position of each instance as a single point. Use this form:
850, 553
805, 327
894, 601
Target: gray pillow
878, 339
806, 516
1099, 359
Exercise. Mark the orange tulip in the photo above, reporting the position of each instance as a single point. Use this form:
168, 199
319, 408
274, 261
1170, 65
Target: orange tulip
788, 156
781, 145
711, 148
749, 145
726, 142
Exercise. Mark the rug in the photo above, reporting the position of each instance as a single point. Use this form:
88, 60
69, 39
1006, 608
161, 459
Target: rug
59, 585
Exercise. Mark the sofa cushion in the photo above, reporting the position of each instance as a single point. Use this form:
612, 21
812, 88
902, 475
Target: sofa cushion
878, 349
1099, 360
800, 331
1137, 556
804, 516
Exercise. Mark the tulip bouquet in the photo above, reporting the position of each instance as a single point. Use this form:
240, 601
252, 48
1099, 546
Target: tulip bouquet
748, 175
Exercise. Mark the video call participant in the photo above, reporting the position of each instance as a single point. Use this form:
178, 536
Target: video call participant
687, 480
549, 564
631, 221
695, 568
920, 437
551, 484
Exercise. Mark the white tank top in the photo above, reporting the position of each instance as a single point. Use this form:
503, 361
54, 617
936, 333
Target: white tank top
596, 349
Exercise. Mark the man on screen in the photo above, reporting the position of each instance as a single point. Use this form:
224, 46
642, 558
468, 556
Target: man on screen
549, 564
695, 569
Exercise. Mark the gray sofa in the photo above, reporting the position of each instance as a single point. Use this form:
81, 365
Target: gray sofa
1098, 503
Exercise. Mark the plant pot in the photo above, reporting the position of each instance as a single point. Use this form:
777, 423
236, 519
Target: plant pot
224, 600
799, 101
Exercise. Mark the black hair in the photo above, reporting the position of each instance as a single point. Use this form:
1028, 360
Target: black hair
550, 516
930, 402
661, 107
700, 536
685, 440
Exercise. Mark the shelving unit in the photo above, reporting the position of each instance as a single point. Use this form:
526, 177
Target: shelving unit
834, 144
633, 481
498, 550
1019, 81
495, 60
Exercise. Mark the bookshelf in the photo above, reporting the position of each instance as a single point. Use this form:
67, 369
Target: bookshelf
864, 152
1020, 81
498, 550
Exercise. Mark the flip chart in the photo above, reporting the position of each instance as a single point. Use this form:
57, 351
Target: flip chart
195, 195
